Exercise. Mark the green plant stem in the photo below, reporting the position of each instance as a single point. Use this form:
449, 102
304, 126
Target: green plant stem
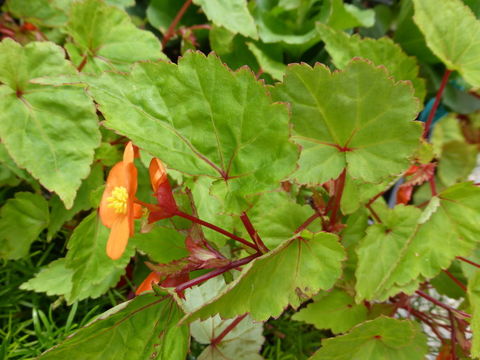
171, 29
253, 233
339, 186
215, 341
216, 228
442, 305
438, 97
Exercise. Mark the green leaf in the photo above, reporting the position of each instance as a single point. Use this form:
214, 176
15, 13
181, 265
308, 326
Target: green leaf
382, 338
121, 3
161, 13
143, 328
22, 219
93, 271
474, 299
162, 244
357, 118
60, 215
55, 130
239, 136
270, 59
335, 310
346, 16
51, 13
105, 37
53, 279
342, 48
297, 269
452, 35
232, 14
457, 162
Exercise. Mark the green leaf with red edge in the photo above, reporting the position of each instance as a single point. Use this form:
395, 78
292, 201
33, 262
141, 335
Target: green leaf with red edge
55, 130
474, 299
358, 119
206, 121
143, 328
22, 219
297, 270
451, 32
105, 37
335, 310
342, 48
382, 338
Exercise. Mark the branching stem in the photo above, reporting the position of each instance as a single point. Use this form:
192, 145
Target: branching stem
215, 341
253, 233
171, 29
442, 305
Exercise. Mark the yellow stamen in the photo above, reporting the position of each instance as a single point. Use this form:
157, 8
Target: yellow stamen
118, 200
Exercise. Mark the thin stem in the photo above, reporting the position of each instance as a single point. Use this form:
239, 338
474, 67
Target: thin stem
216, 272
82, 64
253, 233
374, 214
372, 200
468, 261
199, 27
442, 305
422, 317
453, 336
433, 186
306, 223
438, 97
216, 228
339, 186
455, 280
215, 341
171, 29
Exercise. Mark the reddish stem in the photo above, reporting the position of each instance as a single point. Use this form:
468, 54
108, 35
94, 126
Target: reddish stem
82, 64
453, 336
372, 200
216, 272
253, 233
306, 223
433, 186
374, 214
422, 317
468, 261
198, 27
215, 341
455, 280
442, 305
171, 29
216, 228
438, 97
339, 186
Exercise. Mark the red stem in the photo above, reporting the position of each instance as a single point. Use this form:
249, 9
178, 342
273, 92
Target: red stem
253, 233
438, 97
216, 228
82, 64
442, 305
339, 186
468, 261
171, 29
219, 338
424, 318
455, 280
453, 336
374, 214
306, 223
433, 186
199, 27
215, 272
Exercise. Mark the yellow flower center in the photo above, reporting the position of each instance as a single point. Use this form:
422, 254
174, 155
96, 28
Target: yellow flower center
118, 200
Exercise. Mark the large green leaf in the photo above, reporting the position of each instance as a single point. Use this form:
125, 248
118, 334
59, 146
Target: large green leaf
474, 299
53, 279
105, 37
144, 329
51, 13
206, 121
335, 310
93, 271
451, 31
297, 269
22, 219
232, 14
357, 118
55, 130
380, 339
342, 48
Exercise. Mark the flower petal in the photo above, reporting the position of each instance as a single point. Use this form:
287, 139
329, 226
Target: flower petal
116, 177
146, 285
128, 153
158, 174
118, 239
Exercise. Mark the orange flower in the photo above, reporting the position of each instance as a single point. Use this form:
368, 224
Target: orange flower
146, 284
117, 208
169, 281
167, 206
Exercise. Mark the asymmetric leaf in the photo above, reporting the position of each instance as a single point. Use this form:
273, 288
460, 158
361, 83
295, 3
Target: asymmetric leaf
55, 130
202, 119
22, 219
342, 48
105, 37
380, 339
144, 328
357, 118
297, 269
451, 31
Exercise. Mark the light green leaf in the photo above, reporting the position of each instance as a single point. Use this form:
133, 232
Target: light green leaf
22, 219
232, 14
457, 162
93, 271
297, 269
270, 59
382, 338
121, 3
357, 118
105, 37
53, 279
342, 48
161, 13
51, 13
238, 135
55, 130
335, 310
451, 31
144, 328
346, 16
474, 299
